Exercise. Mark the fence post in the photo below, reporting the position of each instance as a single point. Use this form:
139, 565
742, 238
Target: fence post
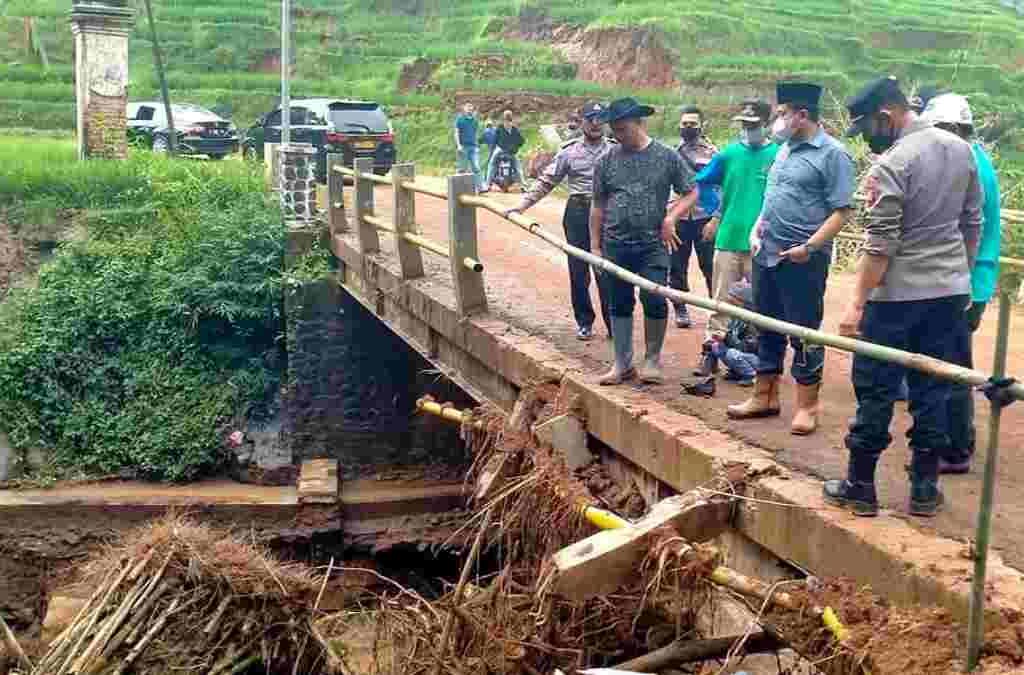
470, 295
410, 258
336, 195
369, 240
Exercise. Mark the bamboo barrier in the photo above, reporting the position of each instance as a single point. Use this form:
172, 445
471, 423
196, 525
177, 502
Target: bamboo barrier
925, 364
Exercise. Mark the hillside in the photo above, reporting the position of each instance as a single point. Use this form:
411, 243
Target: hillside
414, 55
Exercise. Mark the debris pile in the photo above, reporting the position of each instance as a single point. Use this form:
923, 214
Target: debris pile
180, 596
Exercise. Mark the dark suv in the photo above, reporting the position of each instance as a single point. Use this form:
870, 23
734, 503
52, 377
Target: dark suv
350, 128
199, 131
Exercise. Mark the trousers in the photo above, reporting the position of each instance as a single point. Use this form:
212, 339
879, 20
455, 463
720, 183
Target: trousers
923, 326
729, 267
650, 261
691, 239
794, 293
576, 223
962, 435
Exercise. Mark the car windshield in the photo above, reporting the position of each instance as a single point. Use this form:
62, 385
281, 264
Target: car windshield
366, 117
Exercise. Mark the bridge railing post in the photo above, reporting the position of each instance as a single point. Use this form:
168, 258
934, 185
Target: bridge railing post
336, 195
470, 294
369, 241
410, 258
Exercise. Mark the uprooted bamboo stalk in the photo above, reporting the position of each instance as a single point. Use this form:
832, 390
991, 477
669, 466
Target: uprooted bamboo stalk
11, 643
690, 651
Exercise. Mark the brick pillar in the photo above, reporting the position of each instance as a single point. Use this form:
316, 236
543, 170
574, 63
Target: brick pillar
101, 33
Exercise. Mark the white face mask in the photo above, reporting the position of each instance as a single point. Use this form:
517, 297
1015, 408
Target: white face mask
782, 130
752, 137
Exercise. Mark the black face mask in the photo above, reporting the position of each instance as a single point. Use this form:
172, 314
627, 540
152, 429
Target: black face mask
880, 141
689, 133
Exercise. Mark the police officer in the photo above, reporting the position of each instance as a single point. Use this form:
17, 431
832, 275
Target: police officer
807, 202
575, 164
923, 219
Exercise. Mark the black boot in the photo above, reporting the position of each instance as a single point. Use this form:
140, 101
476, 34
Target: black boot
925, 496
857, 491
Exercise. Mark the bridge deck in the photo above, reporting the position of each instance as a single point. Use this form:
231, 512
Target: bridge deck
530, 314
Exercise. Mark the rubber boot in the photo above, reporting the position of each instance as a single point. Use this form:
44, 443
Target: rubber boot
805, 421
925, 496
654, 339
763, 403
857, 491
622, 345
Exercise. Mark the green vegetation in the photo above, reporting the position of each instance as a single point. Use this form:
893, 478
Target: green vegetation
155, 326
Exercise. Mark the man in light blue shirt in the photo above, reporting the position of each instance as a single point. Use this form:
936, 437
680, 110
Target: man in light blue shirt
467, 158
807, 202
952, 113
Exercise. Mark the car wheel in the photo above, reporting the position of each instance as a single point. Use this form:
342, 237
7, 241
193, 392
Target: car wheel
160, 144
217, 157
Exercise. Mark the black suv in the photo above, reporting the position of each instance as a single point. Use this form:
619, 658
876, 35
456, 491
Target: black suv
199, 131
351, 128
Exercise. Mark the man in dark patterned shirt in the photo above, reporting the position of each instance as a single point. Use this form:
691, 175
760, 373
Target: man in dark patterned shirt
629, 227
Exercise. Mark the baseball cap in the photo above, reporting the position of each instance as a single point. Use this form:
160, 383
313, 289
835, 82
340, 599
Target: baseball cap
592, 109
949, 109
753, 110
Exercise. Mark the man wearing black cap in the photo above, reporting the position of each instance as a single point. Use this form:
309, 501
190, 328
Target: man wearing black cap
629, 226
575, 164
923, 200
808, 199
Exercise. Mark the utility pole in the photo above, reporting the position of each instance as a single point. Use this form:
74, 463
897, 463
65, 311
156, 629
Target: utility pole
286, 59
172, 140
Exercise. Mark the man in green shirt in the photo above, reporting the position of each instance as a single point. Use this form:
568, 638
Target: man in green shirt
742, 172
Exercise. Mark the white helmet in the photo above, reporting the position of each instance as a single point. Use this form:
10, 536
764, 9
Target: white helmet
949, 109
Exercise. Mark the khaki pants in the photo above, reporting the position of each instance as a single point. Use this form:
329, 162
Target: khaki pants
728, 268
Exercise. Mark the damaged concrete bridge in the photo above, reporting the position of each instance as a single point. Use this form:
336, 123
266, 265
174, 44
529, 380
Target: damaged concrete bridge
486, 302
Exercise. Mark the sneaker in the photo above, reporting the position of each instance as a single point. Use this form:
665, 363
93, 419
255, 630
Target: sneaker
683, 318
954, 467
585, 333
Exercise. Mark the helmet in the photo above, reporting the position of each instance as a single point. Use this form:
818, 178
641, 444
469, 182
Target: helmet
949, 109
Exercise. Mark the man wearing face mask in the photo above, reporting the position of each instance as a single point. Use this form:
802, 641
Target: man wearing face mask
741, 171
574, 163
697, 151
923, 201
807, 202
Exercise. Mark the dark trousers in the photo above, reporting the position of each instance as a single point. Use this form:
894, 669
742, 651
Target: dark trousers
793, 293
961, 398
691, 236
576, 222
649, 261
923, 326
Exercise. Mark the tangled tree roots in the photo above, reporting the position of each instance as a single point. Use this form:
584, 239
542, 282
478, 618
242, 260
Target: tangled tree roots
179, 596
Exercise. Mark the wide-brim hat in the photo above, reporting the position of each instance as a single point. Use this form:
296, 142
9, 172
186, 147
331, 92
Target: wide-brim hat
625, 108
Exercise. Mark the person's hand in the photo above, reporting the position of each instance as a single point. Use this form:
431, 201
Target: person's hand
669, 237
798, 254
710, 229
509, 212
596, 250
849, 325
755, 242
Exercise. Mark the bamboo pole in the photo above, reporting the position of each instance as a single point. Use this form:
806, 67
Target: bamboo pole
447, 412
12, 645
380, 223
925, 364
691, 651
976, 624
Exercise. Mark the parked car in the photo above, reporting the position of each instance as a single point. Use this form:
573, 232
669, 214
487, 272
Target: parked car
199, 131
350, 128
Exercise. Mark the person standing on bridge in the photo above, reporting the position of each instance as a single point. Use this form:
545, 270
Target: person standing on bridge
742, 172
952, 113
697, 151
923, 201
807, 202
467, 158
575, 163
629, 226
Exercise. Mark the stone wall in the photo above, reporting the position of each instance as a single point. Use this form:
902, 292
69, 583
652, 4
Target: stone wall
352, 388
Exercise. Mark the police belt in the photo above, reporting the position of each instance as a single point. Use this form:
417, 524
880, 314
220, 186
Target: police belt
579, 199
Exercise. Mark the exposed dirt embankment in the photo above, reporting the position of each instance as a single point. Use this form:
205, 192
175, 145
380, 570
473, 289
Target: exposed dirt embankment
14, 257
628, 57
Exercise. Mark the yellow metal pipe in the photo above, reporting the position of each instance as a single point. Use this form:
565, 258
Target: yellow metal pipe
447, 412
605, 520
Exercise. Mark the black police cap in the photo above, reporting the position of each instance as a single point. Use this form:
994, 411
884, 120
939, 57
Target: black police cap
870, 100
798, 94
